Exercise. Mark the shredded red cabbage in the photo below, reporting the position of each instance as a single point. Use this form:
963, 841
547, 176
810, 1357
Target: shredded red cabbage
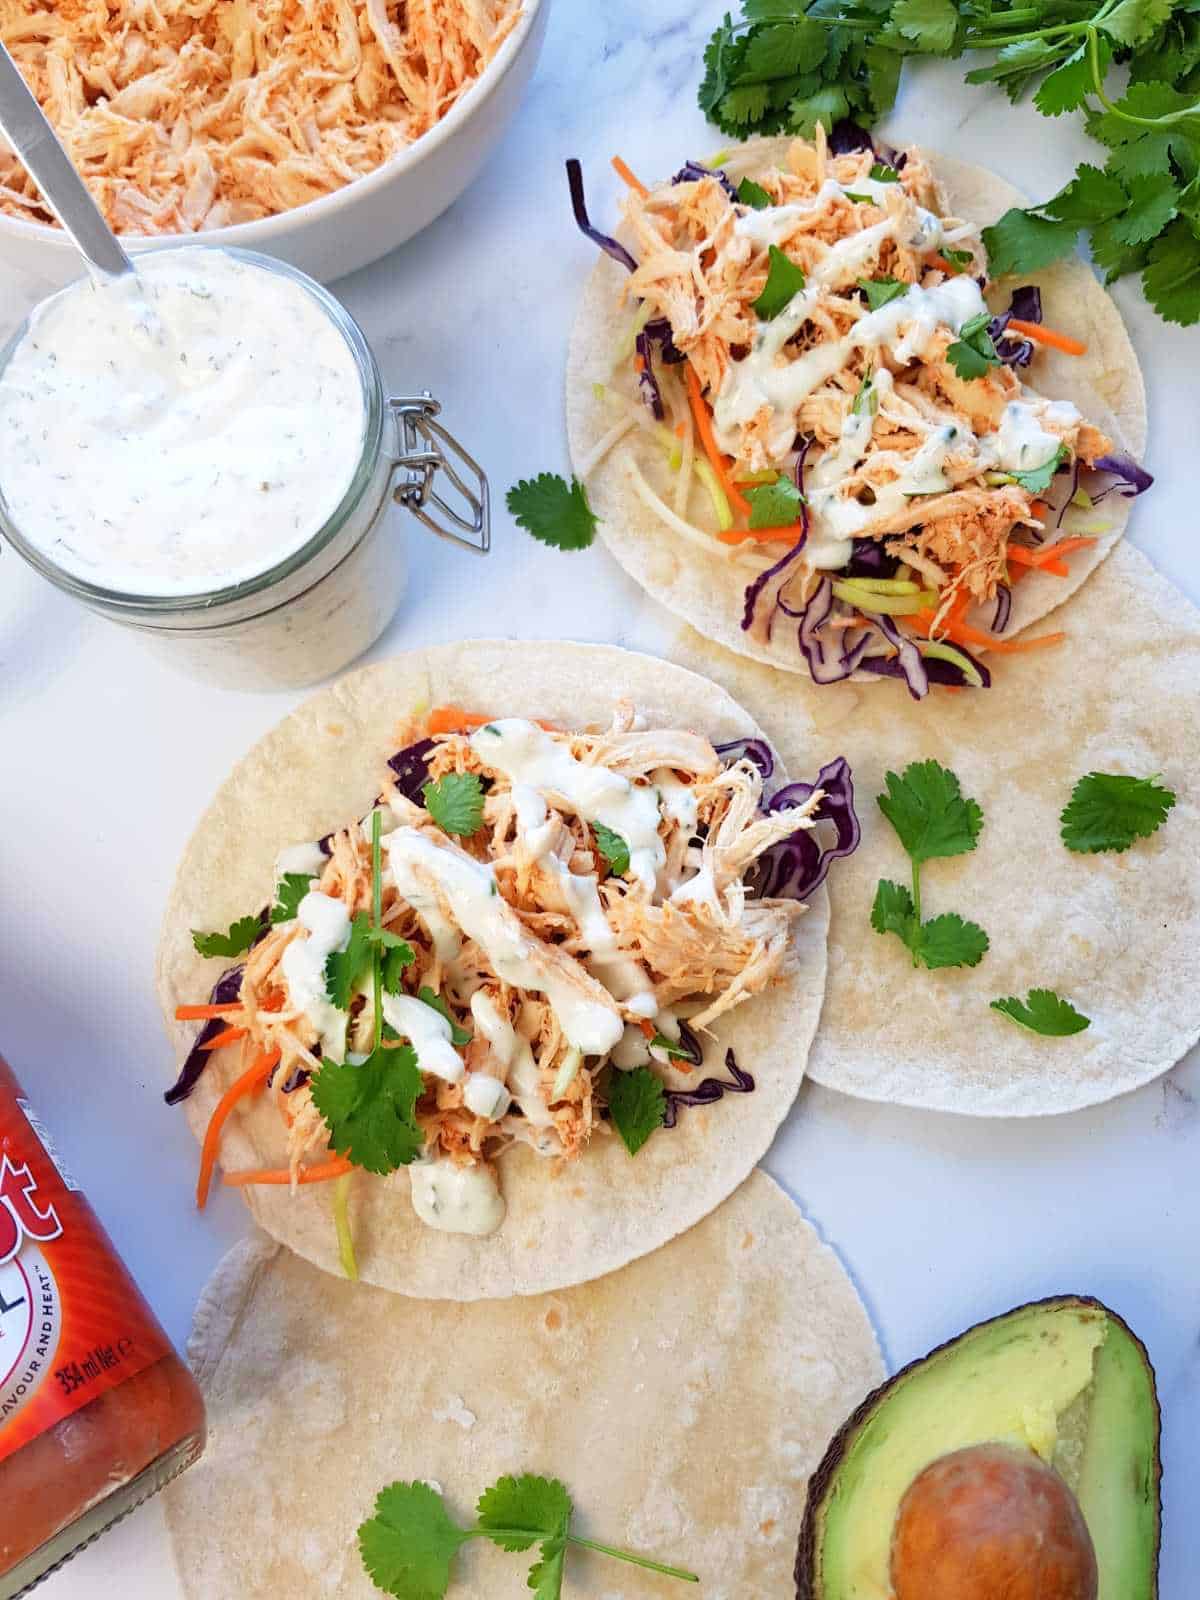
411, 767
1126, 471
227, 989
1026, 305
579, 206
871, 560
647, 382
692, 1049
799, 864
847, 136
829, 661
693, 171
908, 656
756, 751
1003, 609
936, 670
707, 1092
659, 329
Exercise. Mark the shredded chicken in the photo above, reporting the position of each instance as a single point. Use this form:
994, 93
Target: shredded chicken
185, 115
696, 943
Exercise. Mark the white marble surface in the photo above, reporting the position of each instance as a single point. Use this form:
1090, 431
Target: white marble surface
106, 760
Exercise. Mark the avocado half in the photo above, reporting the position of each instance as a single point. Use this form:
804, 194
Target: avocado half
1065, 1377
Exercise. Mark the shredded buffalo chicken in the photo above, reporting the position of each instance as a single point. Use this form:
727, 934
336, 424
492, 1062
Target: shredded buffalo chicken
185, 115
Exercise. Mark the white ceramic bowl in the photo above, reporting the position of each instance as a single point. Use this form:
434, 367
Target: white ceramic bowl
344, 230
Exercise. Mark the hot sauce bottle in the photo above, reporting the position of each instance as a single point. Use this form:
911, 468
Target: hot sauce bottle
97, 1411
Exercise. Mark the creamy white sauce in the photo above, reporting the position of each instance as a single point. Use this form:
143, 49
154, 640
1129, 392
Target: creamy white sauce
514, 1056
579, 892
485, 1096
1021, 444
529, 756
305, 860
678, 799
327, 925
456, 1199
468, 887
429, 1034
904, 327
179, 431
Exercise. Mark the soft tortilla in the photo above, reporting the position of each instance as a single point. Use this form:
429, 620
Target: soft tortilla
1114, 933
320, 768
684, 1402
1106, 384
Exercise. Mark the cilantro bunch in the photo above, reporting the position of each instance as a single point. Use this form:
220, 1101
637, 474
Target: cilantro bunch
409, 1545
788, 64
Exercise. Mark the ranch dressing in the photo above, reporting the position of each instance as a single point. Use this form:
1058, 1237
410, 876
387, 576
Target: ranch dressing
456, 1199
180, 431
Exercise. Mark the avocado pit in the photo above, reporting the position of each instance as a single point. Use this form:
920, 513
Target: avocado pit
991, 1522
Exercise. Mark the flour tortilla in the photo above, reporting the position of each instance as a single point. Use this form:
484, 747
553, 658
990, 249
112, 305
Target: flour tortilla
322, 767
684, 1402
707, 590
1117, 934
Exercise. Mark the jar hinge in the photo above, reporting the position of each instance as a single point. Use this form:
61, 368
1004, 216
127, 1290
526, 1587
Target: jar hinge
425, 448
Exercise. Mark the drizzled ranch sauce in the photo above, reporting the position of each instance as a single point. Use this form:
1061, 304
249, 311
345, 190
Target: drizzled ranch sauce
179, 431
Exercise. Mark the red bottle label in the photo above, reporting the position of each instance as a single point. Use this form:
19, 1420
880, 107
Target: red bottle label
72, 1322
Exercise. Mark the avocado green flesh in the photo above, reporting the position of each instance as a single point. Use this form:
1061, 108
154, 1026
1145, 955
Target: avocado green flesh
1119, 1472
1008, 1380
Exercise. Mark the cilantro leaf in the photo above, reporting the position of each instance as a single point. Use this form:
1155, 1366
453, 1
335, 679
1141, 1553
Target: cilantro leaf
1038, 479
892, 912
753, 194
973, 352
859, 199
882, 173
949, 941
236, 941
927, 809
957, 258
345, 969
409, 1544
1134, 21
1145, 101
866, 399
368, 1108
744, 105
1043, 1012
669, 1047
613, 848
774, 505
1092, 196
516, 1513
455, 802
457, 1035
881, 291
930, 24
546, 1576
637, 1105
1108, 811
553, 511
1022, 242
779, 50
784, 281
289, 892
1172, 276
1068, 86
825, 105
395, 959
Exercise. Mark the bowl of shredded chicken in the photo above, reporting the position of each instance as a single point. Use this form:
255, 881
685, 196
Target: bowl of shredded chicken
322, 131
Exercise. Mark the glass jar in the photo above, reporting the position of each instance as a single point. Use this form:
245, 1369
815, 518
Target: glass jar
97, 1412
311, 613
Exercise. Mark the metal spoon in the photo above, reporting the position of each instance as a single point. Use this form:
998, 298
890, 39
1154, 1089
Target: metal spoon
64, 191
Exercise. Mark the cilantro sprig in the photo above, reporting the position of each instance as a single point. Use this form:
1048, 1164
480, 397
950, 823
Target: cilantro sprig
637, 1104
455, 802
235, 941
786, 65
1044, 1012
1109, 811
409, 1545
554, 511
784, 281
933, 820
774, 505
289, 892
613, 848
973, 352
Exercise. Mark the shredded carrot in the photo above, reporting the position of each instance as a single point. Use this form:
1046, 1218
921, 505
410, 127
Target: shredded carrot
963, 633
704, 428
737, 535
947, 267
453, 719
647, 1027
255, 1074
320, 1172
1064, 547
680, 430
1036, 559
226, 1036
639, 363
1050, 336
202, 1013
1040, 509
626, 176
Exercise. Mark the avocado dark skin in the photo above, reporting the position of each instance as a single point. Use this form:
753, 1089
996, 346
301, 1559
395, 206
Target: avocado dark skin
1122, 1396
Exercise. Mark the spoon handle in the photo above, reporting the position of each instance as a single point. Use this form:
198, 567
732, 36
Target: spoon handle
63, 190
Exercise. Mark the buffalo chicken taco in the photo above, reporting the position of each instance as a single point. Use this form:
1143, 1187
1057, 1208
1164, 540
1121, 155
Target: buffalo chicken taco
508, 960
813, 428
